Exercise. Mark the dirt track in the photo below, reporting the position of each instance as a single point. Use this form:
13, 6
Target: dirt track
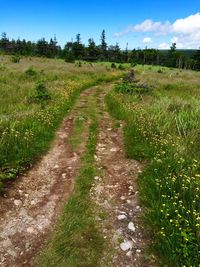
31, 207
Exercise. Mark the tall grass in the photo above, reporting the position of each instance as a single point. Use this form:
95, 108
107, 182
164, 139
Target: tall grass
164, 128
35, 95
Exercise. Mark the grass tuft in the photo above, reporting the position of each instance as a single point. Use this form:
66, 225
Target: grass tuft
163, 128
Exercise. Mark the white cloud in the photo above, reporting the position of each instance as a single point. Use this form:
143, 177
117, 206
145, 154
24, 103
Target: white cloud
147, 25
147, 40
186, 30
151, 26
187, 25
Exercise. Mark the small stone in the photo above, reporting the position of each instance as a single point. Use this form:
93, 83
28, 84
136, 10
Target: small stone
122, 212
122, 197
12, 252
31, 230
131, 226
114, 149
69, 168
26, 195
126, 245
137, 207
33, 202
64, 175
138, 250
20, 191
56, 166
17, 202
96, 178
121, 217
129, 253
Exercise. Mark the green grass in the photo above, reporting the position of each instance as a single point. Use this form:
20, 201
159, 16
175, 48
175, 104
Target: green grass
79, 126
77, 239
163, 128
28, 120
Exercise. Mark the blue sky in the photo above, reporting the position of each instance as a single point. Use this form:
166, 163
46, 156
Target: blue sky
140, 23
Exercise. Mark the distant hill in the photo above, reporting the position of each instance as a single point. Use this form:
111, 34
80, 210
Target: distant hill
187, 52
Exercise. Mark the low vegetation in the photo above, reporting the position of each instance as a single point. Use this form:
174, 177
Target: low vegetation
35, 95
77, 239
162, 127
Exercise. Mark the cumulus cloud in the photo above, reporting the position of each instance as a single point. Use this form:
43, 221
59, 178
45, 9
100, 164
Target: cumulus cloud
147, 25
147, 40
150, 26
187, 25
186, 31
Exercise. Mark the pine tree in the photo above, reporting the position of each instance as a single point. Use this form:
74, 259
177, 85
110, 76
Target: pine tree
103, 46
196, 58
78, 48
4, 43
92, 50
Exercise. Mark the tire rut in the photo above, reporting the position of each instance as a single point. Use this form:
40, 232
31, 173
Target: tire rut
31, 205
116, 192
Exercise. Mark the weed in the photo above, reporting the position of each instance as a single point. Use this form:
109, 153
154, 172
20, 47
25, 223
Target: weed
164, 129
15, 59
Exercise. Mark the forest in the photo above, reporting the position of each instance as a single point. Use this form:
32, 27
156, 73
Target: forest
92, 52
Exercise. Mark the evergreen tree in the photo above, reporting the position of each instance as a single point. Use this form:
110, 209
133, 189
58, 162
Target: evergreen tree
42, 47
103, 46
53, 47
78, 48
196, 58
92, 51
4, 43
171, 61
114, 53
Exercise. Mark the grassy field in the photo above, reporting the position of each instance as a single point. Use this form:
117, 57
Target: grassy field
162, 114
36, 93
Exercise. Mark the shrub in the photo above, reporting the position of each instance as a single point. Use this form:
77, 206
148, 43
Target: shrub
70, 58
79, 64
121, 67
15, 59
31, 72
160, 71
113, 66
133, 88
40, 94
133, 64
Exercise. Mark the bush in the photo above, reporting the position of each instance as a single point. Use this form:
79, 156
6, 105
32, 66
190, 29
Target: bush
79, 64
133, 88
31, 72
133, 64
160, 71
40, 94
121, 67
113, 66
15, 59
70, 58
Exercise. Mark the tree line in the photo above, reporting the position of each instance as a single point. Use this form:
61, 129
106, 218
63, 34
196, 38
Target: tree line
76, 50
